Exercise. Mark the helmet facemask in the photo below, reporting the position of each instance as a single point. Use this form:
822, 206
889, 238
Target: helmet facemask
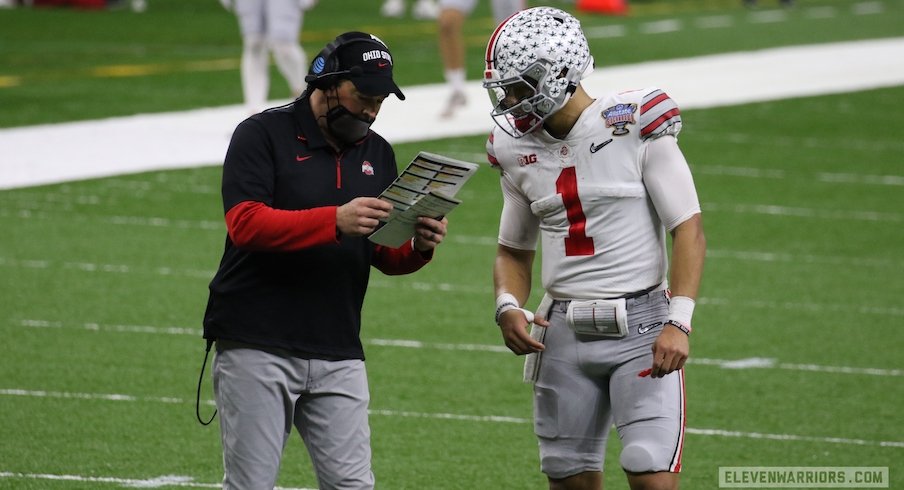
519, 107
535, 60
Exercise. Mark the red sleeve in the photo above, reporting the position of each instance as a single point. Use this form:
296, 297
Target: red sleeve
253, 225
402, 260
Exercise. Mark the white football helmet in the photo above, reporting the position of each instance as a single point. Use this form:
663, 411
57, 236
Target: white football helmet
535, 60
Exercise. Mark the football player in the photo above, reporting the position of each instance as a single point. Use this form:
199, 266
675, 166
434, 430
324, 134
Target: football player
452, 16
272, 26
600, 181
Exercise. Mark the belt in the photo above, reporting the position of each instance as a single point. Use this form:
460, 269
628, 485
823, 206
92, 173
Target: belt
634, 295
637, 294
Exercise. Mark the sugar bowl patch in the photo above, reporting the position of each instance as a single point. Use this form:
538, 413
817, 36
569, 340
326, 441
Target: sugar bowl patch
619, 116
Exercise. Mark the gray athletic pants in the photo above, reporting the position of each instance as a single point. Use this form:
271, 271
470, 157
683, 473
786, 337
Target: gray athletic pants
587, 384
262, 392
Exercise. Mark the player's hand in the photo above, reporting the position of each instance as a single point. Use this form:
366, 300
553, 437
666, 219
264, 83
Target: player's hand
428, 233
517, 338
670, 351
361, 215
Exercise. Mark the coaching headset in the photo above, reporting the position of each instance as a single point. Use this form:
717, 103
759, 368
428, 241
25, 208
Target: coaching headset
324, 71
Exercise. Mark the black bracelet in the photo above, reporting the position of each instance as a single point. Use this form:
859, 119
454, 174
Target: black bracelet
684, 328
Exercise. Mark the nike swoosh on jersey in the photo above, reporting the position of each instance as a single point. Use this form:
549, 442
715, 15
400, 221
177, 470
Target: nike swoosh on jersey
301, 159
642, 329
596, 148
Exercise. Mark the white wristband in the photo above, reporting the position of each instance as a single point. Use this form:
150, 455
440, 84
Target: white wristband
506, 302
681, 309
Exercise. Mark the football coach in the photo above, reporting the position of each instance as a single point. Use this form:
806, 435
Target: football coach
299, 194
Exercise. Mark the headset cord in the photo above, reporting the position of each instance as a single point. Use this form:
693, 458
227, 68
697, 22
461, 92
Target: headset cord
198, 396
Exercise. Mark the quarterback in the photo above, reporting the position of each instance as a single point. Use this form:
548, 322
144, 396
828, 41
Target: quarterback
598, 182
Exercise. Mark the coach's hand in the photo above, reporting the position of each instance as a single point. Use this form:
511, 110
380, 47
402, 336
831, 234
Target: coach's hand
428, 233
670, 351
361, 215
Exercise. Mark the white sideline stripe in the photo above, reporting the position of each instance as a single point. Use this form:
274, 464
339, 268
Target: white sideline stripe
489, 418
748, 363
200, 137
158, 482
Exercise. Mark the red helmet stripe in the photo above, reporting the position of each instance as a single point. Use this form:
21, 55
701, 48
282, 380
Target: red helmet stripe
491, 46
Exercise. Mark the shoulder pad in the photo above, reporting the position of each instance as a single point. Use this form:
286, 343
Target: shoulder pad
659, 115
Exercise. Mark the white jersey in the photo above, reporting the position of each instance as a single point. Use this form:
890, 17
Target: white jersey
586, 196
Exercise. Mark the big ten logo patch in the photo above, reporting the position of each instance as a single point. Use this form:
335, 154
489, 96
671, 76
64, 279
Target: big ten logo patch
525, 160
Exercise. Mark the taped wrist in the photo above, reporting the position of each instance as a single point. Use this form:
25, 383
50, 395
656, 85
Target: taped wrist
681, 310
506, 302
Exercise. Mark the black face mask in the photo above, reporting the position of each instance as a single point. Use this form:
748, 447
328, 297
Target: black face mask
344, 126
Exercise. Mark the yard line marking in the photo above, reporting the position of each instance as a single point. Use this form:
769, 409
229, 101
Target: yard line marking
497, 419
758, 256
470, 240
768, 17
116, 328
758, 173
110, 268
417, 344
661, 26
868, 8
88, 396
748, 363
452, 416
600, 32
714, 22
157, 482
805, 141
824, 177
769, 363
861, 179
797, 212
820, 12
797, 306
151, 221
793, 437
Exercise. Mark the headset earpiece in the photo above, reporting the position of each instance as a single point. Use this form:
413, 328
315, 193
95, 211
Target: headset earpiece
325, 68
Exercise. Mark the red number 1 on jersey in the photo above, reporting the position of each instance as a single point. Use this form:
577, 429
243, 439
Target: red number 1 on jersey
577, 242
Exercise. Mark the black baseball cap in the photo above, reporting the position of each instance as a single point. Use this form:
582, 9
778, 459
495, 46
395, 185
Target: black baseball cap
369, 64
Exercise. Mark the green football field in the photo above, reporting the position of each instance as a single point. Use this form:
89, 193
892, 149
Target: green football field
795, 355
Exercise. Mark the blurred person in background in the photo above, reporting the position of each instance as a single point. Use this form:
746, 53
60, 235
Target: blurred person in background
452, 16
600, 182
422, 9
270, 26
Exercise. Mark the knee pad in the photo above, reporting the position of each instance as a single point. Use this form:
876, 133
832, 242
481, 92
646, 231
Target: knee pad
635, 458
